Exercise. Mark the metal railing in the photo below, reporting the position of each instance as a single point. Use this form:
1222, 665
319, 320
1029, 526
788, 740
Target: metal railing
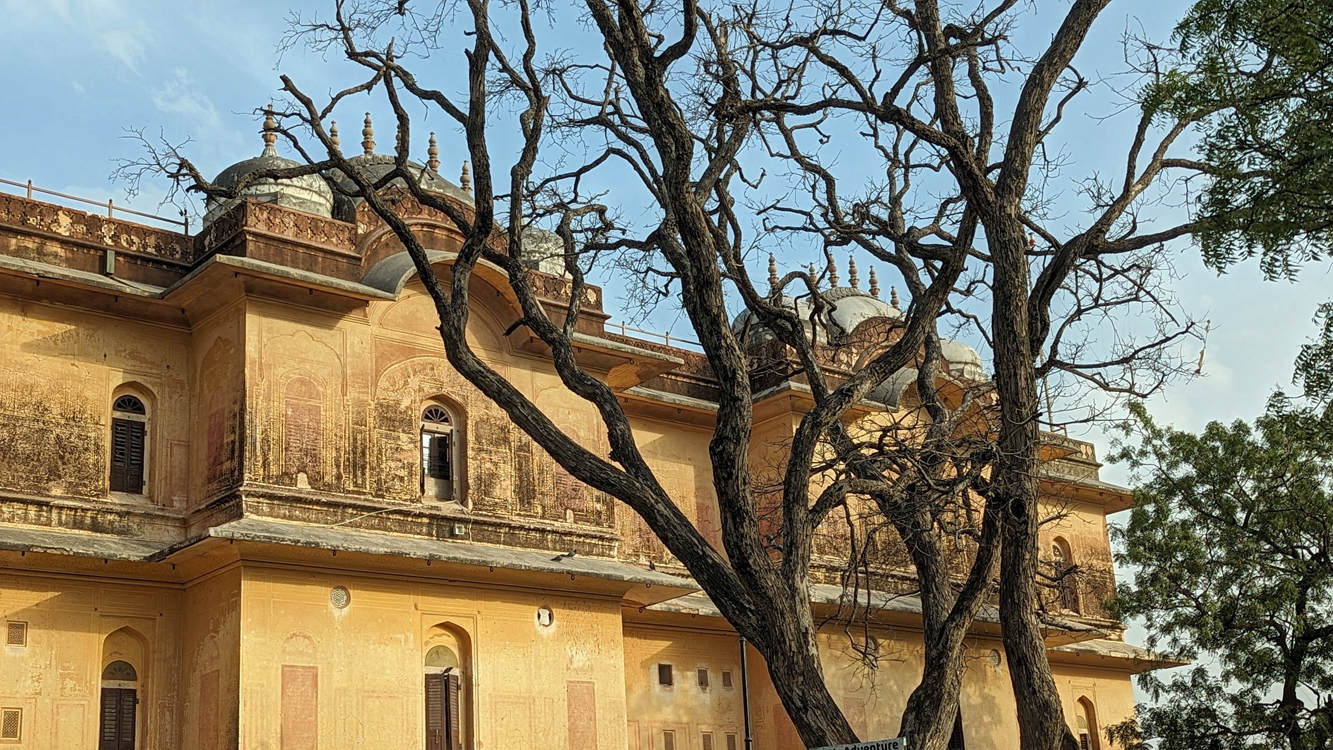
111, 210
666, 338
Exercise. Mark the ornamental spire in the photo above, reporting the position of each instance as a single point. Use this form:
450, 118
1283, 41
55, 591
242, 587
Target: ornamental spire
832, 273
465, 179
434, 155
851, 272
270, 132
333, 136
814, 277
874, 283
893, 297
368, 137
772, 273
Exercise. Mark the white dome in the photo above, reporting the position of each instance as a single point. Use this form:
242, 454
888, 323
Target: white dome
849, 308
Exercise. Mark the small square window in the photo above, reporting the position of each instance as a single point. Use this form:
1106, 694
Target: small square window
668, 740
664, 676
16, 634
708, 741
11, 724
703, 678
726, 678
731, 741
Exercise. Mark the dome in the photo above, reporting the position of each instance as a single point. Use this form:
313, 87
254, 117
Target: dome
308, 193
850, 308
372, 167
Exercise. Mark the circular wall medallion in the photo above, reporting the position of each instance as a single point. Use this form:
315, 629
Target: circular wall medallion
340, 597
994, 658
545, 617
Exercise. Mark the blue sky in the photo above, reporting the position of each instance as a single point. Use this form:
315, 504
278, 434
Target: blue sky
77, 72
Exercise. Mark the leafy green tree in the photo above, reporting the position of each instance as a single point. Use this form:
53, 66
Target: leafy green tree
1231, 540
1260, 72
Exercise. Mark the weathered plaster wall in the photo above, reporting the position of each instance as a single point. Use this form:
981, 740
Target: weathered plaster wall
62, 370
354, 676
872, 698
75, 627
218, 351
211, 661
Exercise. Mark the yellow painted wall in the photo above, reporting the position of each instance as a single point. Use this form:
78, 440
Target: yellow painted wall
75, 627
563, 683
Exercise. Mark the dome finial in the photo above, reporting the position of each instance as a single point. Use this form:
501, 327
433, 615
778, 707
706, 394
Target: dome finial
465, 179
832, 273
874, 283
893, 297
368, 137
814, 277
333, 136
851, 272
772, 273
434, 153
270, 132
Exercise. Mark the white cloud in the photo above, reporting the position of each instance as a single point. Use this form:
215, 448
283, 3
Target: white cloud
124, 46
180, 97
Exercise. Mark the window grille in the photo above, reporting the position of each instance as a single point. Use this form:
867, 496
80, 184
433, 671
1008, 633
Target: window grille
731, 741
436, 415
129, 405
703, 678
708, 741
668, 739
664, 676
11, 724
16, 634
726, 678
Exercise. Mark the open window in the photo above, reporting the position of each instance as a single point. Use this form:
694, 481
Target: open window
440, 453
1066, 591
129, 444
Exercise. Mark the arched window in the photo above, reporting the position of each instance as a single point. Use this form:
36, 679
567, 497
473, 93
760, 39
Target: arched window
1087, 725
129, 431
1063, 562
439, 454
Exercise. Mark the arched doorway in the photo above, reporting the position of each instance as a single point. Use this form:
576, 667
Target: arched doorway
446, 689
124, 656
120, 700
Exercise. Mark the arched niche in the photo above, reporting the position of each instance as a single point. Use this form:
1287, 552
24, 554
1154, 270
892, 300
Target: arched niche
125, 658
1085, 720
448, 686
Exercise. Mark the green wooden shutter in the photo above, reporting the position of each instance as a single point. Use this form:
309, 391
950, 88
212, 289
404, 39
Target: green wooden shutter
435, 712
455, 725
109, 736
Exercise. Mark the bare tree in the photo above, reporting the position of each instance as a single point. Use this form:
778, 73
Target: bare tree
685, 100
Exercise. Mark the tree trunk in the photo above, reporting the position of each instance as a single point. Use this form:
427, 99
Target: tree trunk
1040, 714
790, 648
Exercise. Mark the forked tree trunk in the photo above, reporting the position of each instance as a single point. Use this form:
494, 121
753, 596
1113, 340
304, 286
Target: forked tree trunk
1040, 714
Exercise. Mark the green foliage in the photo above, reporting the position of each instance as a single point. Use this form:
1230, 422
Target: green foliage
1230, 539
1314, 365
1260, 75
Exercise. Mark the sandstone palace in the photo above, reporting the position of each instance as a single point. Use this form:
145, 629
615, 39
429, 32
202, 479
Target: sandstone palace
246, 503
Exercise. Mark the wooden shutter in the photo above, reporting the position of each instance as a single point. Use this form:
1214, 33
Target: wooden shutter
128, 699
118, 709
455, 727
435, 712
127, 456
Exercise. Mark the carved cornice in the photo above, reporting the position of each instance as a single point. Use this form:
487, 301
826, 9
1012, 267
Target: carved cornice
35, 217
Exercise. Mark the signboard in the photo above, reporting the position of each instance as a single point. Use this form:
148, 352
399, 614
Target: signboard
896, 744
